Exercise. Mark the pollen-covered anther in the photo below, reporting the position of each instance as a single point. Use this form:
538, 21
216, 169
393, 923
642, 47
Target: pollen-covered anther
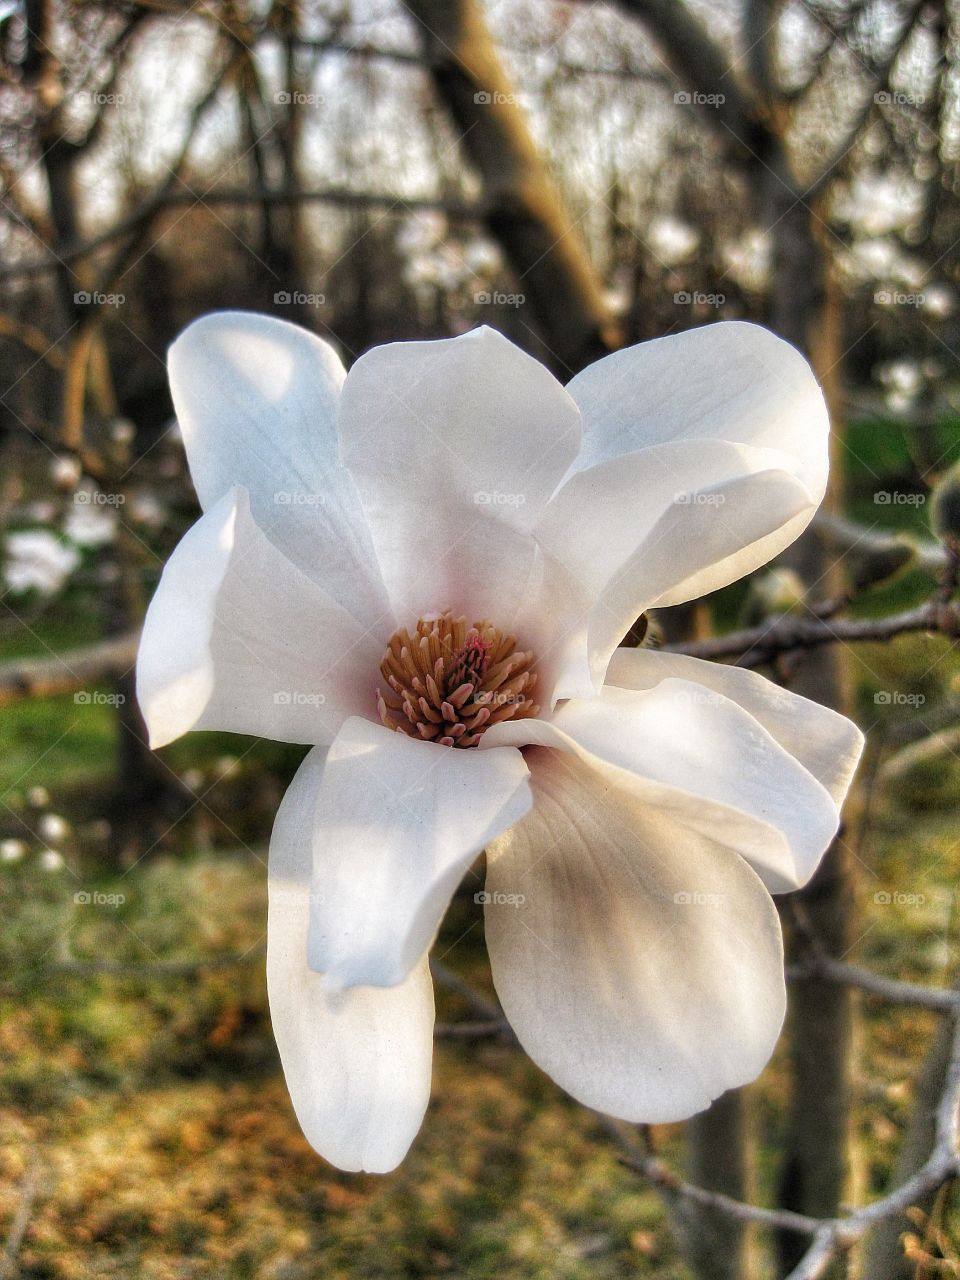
447, 682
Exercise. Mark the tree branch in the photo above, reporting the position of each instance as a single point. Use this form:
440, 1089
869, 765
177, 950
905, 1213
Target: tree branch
339, 196
524, 212
938, 999
754, 646
67, 672
702, 66
830, 1236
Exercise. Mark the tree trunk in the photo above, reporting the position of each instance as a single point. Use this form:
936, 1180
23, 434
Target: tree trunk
885, 1258
814, 1173
523, 210
718, 1146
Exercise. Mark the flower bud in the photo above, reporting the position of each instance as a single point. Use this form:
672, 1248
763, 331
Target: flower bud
776, 591
867, 566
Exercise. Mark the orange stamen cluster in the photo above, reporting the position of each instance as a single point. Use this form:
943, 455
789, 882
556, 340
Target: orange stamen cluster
447, 683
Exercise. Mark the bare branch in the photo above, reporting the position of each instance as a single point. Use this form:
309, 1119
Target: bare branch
881, 76
31, 339
929, 748
496, 1027
702, 65
661, 1175
754, 646
339, 196
938, 999
845, 535
817, 1258
830, 1236
68, 672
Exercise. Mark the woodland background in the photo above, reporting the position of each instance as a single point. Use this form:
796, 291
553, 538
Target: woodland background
580, 176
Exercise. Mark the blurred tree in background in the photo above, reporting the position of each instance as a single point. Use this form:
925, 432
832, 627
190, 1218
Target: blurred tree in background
580, 176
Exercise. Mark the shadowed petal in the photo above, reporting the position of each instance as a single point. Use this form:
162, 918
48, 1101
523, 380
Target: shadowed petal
357, 1063
642, 968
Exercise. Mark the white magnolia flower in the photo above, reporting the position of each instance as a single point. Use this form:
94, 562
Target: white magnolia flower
671, 240
90, 526
12, 850
636, 816
36, 560
54, 828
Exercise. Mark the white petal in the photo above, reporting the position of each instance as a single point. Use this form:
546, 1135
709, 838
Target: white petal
640, 966
745, 835
826, 743
455, 446
237, 638
398, 822
705, 454
256, 399
730, 381
553, 621
693, 549
357, 1063
629, 495
694, 740
679, 518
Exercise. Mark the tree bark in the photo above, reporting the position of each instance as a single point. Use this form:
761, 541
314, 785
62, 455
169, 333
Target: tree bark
813, 1177
718, 1145
884, 1257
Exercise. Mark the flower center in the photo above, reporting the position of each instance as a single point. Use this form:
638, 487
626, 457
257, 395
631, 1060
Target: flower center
449, 682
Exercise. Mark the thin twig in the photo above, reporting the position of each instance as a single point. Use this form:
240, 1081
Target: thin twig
21, 1219
829, 1235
